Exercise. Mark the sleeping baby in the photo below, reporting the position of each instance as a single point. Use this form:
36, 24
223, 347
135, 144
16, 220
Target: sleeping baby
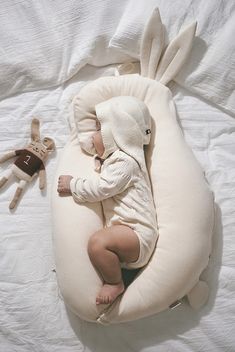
123, 186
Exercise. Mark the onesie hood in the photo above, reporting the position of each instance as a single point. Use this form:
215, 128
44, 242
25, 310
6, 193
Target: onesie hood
125, 125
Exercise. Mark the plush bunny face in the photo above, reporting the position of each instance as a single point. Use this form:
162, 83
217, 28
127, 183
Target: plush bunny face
38, 149
41, 149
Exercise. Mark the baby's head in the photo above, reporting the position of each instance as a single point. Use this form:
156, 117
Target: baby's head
122, 123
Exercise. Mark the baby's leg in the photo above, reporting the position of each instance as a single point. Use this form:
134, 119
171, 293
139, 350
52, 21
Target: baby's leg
107, 248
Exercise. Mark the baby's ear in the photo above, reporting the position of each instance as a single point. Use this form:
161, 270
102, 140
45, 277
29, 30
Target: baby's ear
49, 143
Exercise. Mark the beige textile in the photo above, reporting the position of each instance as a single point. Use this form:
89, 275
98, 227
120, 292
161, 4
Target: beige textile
183, 200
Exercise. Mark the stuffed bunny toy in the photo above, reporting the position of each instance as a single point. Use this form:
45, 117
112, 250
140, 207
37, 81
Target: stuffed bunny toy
30, 161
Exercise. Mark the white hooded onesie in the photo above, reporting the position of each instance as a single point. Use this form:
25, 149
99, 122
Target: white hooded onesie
123, 186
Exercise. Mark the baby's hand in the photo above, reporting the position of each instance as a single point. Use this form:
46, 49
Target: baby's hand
64, 184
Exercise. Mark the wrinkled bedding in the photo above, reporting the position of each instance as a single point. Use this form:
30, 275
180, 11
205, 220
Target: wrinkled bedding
48, 53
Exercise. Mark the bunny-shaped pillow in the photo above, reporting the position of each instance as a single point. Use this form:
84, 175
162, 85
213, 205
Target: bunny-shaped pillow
183, 200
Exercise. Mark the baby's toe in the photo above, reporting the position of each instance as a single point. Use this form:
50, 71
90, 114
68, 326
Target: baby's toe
98, 300
106, 300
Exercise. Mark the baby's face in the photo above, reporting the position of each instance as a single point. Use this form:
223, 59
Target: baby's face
97, 140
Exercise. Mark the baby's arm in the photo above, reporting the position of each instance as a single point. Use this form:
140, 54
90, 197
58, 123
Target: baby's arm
115, 178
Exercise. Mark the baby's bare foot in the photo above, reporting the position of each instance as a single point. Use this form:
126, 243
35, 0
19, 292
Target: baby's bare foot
109, 293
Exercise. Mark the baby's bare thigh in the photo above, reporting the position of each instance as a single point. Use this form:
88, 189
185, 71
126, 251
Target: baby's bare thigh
121, 240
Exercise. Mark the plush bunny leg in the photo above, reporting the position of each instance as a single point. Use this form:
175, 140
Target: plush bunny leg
42, 179
3, 181
5, 178
198, 295
18, 193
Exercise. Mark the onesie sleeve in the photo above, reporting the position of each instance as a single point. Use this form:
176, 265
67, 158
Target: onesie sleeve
114, 179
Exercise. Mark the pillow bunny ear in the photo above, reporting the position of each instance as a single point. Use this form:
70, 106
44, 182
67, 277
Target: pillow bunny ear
151, 45
176, 55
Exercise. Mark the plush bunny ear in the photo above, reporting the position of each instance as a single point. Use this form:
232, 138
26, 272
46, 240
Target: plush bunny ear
49, 143
175, 55
151, 45
35, 132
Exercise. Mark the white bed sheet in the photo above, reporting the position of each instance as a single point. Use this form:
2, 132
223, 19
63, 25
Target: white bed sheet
32, 313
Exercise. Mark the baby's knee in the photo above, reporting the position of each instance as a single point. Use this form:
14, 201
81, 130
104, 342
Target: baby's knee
96, 245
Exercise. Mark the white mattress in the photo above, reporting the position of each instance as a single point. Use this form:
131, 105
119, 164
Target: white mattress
41, 82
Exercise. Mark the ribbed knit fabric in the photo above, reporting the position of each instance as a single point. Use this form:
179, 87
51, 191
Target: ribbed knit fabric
126, 197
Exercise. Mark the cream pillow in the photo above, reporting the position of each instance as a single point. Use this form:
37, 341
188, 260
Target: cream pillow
184, 202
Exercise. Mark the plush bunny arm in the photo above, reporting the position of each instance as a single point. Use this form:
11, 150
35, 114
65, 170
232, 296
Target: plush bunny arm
151, 45
7, 156
42, 178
